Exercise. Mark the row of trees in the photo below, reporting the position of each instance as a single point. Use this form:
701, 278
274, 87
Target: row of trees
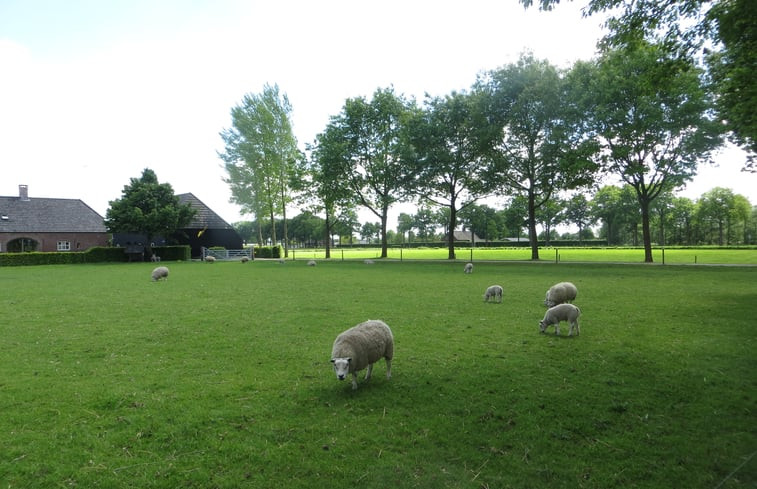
718, 217
641, 112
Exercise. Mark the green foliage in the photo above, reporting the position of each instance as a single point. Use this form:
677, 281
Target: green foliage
216, 378
360, 154
148, 207
268, 252
173, 253
260, 154
96, 254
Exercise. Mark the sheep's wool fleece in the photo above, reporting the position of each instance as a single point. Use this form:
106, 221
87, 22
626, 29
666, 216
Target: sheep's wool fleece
365, 343
160, 272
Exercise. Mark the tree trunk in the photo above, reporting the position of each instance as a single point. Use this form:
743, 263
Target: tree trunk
532, 237
384, 218
327, 237
645, 231
451, 234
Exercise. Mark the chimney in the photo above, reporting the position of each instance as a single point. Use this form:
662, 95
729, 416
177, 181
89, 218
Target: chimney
23, 192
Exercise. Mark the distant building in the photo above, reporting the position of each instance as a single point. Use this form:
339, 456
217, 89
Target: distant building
207, 229
45, 224
466, 236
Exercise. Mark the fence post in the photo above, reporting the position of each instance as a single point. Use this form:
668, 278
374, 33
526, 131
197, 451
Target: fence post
471, 254
557, 256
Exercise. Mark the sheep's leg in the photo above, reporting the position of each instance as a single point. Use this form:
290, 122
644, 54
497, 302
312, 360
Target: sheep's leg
388, 368
557, 329
354, 380
368, 371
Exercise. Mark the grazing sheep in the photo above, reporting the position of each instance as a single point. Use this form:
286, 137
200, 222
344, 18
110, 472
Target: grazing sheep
311, 263
468, 268
154, 258
245, 259
560, 293
368, 262
160, 273
210, 259
281, 261
361, 346
494, 292
561, 312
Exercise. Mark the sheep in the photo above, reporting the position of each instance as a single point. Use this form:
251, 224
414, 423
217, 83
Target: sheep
468, 268
560, 293
160, 273
493, 292
368, 262
311, 263
361, 346
154, 258
210, 259
561, 312
245, 259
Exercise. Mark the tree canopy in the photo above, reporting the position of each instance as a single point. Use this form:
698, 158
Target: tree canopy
148, 207
261, 156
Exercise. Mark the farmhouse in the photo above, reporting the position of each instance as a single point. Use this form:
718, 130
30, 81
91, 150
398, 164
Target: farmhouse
466, 236
45, 224
207, 229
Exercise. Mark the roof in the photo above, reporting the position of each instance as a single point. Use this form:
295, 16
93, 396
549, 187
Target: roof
465, 236
205, 217
44, 215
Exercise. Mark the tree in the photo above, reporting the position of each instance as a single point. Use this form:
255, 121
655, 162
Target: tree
682, 27
732, 69
550, 214
423, 221
534, 134
448, 159
261, 156
578, 212
716, 206
404, 224
618, 210
148, 207
653, 119
365, 143
327, 188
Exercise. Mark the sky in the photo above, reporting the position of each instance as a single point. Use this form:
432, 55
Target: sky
94, 91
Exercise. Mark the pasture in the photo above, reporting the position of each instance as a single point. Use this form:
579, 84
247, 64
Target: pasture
219, 377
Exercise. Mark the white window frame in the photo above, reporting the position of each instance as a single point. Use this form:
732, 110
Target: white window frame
64, 246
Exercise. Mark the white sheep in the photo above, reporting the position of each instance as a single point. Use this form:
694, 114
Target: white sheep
561, 312
468, 268
160, 273
560, 293
245, 259
360, 347
311, 263
368, 262
493, 292
210, 259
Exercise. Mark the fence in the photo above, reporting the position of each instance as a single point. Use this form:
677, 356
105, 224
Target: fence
227, 254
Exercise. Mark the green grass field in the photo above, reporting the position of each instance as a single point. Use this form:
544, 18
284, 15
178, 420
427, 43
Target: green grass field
220, 377
670, 256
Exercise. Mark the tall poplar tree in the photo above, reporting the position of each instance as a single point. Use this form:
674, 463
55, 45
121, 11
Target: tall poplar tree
261, 156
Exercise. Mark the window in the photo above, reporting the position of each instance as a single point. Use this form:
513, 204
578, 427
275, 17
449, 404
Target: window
64, 246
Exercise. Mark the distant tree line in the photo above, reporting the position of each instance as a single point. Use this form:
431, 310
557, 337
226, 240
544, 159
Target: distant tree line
718, 217
645, 112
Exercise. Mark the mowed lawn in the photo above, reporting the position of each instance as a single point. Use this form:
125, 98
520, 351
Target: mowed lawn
219, 377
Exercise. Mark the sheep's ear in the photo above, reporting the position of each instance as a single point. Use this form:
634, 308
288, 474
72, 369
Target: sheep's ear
332, 360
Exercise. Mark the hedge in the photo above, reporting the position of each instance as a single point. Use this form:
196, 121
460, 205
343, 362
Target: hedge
97, 254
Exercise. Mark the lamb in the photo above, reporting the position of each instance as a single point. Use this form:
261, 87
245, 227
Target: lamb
245, 259
468, 268
493, 292
560, 293
160, 273
368, 262
561, 312
361, 346
210, 259
311, 263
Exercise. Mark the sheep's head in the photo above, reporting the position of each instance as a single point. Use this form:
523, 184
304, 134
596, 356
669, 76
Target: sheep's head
341, 367
542, 326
